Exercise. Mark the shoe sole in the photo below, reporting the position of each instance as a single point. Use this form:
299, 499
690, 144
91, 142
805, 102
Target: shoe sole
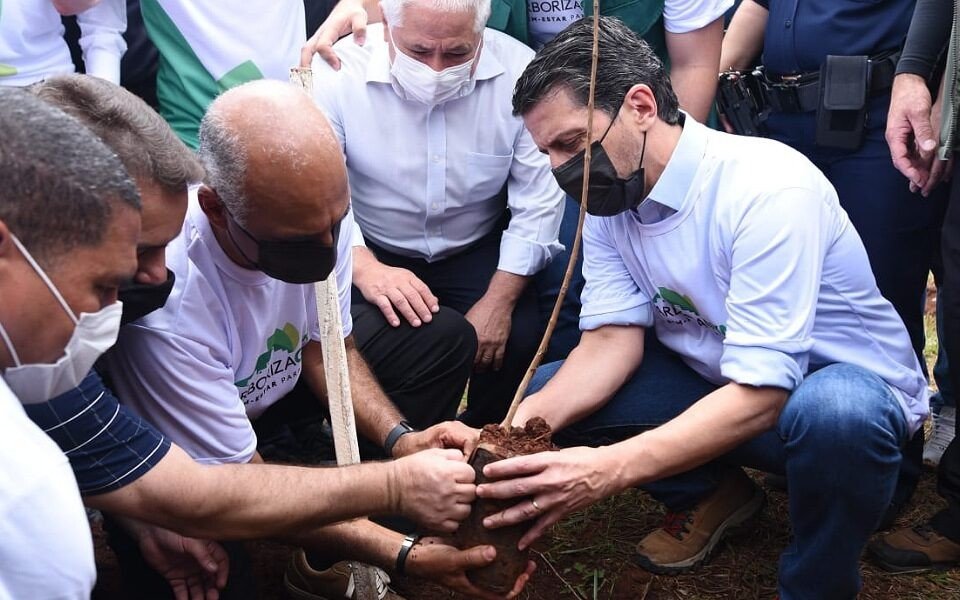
297, 593
741, 516
902, 570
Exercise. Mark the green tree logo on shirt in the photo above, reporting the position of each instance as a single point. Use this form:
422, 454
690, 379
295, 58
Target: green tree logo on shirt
677, 309
271, 362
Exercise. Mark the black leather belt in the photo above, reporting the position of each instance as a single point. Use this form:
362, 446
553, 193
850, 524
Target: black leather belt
801, 93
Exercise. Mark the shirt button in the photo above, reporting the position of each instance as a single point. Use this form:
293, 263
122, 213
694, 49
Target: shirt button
435, 206
788, 23
436, 158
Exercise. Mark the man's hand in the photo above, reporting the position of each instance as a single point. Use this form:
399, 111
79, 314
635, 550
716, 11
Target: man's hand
393, 289
72, 7
910, 132
449, 434
437, 560
434, 488
491, 319
346, 16
552, 484
195, 569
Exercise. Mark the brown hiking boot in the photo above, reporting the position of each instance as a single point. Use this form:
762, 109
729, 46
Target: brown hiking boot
303, 582
686, 538
913, 549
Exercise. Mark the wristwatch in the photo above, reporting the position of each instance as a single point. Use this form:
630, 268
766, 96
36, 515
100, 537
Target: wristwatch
401, 429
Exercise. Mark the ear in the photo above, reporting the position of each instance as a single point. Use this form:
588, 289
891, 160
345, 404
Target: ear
641, 105
212, 206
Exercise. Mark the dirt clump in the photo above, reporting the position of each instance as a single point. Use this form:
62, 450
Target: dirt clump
498, 443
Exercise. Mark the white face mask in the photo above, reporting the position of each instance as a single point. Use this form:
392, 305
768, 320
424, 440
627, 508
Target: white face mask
417, 81
93, 335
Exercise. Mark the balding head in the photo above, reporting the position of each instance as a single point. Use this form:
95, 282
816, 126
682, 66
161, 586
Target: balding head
270, 154
276, 185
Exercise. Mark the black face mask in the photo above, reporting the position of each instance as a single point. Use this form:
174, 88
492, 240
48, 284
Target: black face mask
297, 260
608, 195
141, 299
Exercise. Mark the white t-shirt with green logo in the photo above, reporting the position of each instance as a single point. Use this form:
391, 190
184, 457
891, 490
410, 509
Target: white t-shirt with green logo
225, 347
207, 47
32, 45
754, 274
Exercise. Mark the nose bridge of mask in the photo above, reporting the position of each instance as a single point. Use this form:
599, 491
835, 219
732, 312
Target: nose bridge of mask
46, 280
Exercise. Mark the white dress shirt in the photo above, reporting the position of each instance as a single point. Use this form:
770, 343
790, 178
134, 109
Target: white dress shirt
751, 271
425, 180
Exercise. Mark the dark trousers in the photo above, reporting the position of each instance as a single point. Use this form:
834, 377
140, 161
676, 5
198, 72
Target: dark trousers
947, 521
422, 370
459, 281
899, 229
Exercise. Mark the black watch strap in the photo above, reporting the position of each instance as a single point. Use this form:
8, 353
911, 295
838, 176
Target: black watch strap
408, 543
401, 429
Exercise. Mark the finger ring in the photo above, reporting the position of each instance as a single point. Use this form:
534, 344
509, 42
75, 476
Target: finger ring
536, 506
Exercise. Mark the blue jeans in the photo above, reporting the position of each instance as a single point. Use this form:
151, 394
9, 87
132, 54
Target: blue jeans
838, 441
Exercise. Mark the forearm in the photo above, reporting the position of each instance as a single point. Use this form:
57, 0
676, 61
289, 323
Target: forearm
227, 502
505, 288
714, 425
927, 37
743, 41
694, 64
359, 540
375, 414
600, 365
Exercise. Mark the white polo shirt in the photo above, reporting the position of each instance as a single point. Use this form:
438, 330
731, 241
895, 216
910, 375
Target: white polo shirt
225, 347
750, 271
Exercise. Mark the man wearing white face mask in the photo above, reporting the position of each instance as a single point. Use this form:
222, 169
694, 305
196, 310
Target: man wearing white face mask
69, 223
454, 204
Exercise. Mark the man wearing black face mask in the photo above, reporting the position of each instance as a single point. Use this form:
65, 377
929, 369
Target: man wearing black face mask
125, 467
729, 318
215, 367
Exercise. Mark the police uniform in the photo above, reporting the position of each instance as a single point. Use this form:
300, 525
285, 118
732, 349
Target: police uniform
900, 229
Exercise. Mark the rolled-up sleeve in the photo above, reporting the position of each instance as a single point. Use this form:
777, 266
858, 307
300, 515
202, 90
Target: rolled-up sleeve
610, 296
776, 260
536, 208
101, 38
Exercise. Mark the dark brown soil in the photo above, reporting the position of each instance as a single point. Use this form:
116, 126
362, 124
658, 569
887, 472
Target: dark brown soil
497, 443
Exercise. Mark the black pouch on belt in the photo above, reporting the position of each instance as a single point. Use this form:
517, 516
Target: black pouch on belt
842, 113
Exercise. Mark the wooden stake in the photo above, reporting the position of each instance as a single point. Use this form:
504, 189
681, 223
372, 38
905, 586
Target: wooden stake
337, 376
575, 250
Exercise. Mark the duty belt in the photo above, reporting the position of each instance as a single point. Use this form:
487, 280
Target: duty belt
801, 93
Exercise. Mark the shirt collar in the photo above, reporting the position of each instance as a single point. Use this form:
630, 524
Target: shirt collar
378, 69
674, 183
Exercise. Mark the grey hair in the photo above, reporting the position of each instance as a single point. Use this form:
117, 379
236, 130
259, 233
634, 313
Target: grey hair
59, 184
224, 157
624, 61
126, 124
393, 10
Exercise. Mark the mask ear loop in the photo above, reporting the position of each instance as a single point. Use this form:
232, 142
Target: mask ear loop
643, 149
46, 280
607, 130
9, 344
